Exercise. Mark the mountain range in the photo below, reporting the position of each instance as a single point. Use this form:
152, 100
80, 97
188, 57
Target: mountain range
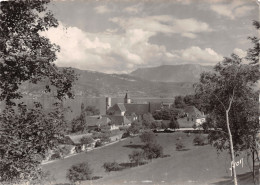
172, 73
162, 81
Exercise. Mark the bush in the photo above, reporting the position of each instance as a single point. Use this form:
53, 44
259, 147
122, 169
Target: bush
78, 149
147, 136
137, 157
200, 140
112, 166
55, 156
125, 135
179, 146
98, 144
153, 150
79, 172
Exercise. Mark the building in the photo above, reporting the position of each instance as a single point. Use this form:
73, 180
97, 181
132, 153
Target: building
194, 115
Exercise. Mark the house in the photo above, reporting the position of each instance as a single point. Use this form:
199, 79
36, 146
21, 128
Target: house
75, 141
96, 122
118, 120
194, 115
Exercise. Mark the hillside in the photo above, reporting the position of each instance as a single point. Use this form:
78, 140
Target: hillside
96, 84
172, 73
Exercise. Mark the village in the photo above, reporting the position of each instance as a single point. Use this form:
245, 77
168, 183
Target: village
117, 121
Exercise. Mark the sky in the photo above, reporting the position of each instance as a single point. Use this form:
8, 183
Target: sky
119, 36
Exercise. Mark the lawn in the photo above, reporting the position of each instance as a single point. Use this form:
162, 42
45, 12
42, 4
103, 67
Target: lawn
195, 165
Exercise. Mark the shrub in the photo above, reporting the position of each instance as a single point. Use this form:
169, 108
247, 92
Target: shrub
55, 156
79, 172
137, 157
147, 136
112, 166
153, 150
200, 140
98, 144
78, 149
125, 135
179, 145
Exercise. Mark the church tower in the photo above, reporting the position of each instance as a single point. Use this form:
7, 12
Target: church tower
127, 98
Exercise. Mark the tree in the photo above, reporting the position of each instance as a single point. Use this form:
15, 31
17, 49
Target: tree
147, 120
27, 135
79, 172
253, 53
135, 127
228, 94
91, 110
178, 102
27, 57
147, 136
153, 150
137, 157
174, 124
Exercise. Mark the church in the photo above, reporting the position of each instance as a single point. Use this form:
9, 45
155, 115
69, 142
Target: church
129, 111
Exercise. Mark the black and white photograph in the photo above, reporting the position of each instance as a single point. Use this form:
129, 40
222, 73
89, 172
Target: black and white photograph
129, 92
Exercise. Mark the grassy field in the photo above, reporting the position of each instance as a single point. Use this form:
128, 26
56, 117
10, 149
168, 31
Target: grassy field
194, 165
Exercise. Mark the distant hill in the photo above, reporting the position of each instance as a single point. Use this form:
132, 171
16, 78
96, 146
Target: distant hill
97, 84
172, 73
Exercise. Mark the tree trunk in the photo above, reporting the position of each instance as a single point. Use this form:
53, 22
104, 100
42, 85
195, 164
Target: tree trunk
233, 164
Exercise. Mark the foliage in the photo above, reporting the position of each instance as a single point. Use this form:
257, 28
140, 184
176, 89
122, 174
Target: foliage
165, 125
147, 136
91, 110
86, 140
98, 143
147, 120
174, 124
167, 113
253, 53
137, 157
179, 145
179, 102
229, 95
135, 127
79, 172
209, 123
153, 150
112, 166
26, 56
27, 135
156, 125
200, 140
78, 148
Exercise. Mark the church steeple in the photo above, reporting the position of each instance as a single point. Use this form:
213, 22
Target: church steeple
127, 98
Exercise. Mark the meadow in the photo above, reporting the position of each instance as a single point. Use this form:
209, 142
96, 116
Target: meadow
193, 165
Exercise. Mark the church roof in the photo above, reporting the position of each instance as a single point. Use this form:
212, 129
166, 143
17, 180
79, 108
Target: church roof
138, 109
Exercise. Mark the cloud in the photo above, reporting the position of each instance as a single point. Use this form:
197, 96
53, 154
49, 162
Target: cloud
133, 9
164, 24
233, 9
241, 53
197, 55
102, 9
106, 51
